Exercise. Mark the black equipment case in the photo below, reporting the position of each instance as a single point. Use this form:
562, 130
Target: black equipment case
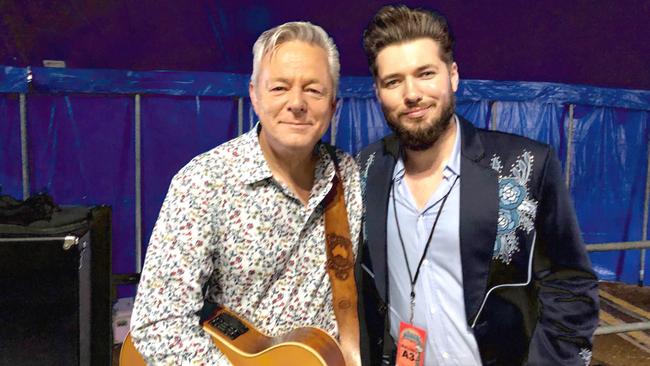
55, 289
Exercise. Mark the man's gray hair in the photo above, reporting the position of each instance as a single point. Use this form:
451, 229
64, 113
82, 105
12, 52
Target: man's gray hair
296, 31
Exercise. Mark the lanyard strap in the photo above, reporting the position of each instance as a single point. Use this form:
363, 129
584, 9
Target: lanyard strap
413, 279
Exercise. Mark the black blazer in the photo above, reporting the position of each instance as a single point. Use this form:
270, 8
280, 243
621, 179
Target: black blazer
530, 294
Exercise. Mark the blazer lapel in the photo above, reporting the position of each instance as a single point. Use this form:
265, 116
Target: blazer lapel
377, 194
478, 218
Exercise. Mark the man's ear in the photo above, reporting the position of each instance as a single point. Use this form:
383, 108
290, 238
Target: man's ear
454, 76
253, 96
335, 104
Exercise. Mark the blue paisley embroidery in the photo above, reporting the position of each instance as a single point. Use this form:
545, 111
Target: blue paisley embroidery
516, 209
585, 355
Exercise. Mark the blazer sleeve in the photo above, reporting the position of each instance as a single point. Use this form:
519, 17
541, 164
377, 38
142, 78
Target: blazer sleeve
567, 287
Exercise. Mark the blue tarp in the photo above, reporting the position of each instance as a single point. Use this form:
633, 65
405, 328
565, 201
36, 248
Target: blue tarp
81, 152
217, 84
10, 146
608, 182
81, 125
174, 130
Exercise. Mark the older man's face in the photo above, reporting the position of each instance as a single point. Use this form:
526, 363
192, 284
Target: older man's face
293, 97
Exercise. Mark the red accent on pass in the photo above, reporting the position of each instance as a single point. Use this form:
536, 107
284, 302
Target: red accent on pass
410, 345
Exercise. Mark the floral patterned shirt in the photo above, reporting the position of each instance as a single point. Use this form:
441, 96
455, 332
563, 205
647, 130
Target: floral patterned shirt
226, 222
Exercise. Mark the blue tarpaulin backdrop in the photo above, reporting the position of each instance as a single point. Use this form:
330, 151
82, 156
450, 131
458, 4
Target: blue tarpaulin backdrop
82, 150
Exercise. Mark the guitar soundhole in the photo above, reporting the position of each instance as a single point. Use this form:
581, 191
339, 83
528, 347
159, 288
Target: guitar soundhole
229, 325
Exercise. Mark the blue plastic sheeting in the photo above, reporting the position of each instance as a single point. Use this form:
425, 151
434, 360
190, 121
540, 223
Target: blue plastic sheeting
174, 130
53, 80
249, 118
478, 112
356, 87
608, 183
13, 79
82, 153
515, 91
538, 121
358, 122
82, 148
608, 168
10, 147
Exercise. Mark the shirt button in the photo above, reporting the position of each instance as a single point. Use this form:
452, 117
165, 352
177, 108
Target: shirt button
432, 310
445, 355
425, 262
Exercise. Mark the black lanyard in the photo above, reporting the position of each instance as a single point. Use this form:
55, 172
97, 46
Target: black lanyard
426, 248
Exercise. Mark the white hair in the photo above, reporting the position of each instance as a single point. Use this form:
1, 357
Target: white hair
296, 31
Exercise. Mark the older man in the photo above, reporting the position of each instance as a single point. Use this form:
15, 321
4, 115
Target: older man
246, 219
472, 240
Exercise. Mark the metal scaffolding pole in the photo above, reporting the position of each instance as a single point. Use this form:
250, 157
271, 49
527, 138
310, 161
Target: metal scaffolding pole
334, 125
644, 235
493, 124
240, 116
24, 150
138, 186
622, 328
626, 245
569, 149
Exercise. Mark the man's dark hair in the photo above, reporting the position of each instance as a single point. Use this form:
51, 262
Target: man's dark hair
398, 24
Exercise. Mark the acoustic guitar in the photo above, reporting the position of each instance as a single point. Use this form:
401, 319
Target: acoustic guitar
246, 346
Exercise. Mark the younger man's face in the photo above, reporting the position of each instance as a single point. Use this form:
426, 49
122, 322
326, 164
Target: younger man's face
416, 90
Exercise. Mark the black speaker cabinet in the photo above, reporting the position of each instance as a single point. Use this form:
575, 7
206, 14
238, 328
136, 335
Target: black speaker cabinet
55, 294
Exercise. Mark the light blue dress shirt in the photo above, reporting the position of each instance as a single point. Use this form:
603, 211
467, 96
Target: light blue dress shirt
439, 299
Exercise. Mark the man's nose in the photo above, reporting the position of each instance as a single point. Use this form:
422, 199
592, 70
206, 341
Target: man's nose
412, 95
297, 102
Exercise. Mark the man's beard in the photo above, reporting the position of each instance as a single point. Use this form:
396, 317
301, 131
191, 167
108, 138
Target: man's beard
422, 138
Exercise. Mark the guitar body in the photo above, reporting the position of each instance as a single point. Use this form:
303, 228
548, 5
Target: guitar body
246, 346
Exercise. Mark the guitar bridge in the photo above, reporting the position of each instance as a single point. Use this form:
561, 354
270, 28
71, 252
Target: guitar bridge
229, 325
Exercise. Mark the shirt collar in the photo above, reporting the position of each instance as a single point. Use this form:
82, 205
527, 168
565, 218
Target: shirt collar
453, 164
255, 169
454, 160
253, 166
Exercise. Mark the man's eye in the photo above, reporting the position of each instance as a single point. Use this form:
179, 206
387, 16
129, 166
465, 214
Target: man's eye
278, 88
391, 83
314, 91
427, 74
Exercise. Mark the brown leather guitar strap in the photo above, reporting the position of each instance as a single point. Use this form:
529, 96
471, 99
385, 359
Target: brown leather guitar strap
340, 267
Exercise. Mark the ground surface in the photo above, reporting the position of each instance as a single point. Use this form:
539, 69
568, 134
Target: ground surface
620, 303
